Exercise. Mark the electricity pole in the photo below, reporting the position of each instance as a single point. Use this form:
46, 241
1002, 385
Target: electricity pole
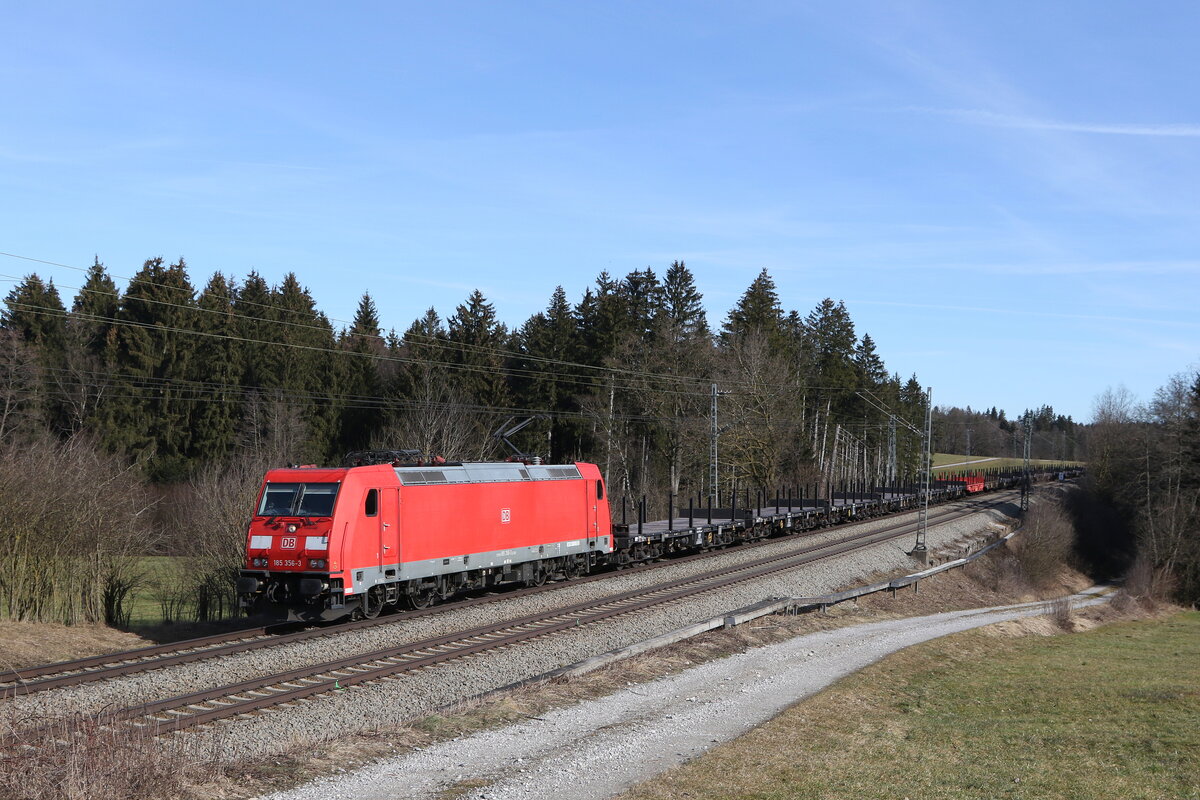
714, 434
891, 468
1025, 487
919, 549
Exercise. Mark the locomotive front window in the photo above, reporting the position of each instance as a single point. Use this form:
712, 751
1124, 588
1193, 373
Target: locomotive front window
298, 500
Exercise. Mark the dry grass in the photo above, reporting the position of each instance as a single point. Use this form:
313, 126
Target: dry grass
1060, 611
78, 758
27, 644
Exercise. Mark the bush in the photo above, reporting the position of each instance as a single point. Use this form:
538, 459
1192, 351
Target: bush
74, 521
1046, 543
79, 757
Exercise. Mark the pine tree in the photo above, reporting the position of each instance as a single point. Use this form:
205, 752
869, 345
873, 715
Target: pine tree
642, 297
307, 368
217, 369
86, 377
152, 353
682, 303
476, 337
868, 364
95, 310
34, 313
362, 419
34, 309
418, 353
603, 321
830, 333
254, 307
541, 381
758, 310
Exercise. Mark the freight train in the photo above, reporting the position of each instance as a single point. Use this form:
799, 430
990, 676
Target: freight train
390, 528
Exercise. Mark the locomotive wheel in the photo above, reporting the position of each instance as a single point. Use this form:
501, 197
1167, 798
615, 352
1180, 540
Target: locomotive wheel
539, 576
420, 598
372, 602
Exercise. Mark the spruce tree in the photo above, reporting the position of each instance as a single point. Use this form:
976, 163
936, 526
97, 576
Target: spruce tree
152, 353
254, 308
832, 338
682, 303
642, 298
94, 311
758, 310
868, 364
362, 419
476, 337
548, 337
216, 370
603, 321
307, 371
34, 310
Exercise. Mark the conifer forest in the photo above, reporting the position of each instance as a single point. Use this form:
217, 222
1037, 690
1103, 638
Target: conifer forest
154, 407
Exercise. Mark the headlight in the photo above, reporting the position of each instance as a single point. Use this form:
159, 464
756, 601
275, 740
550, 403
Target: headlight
316, 563
258, 562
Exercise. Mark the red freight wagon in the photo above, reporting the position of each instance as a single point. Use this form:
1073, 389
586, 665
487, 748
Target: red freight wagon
327, 543
970, 483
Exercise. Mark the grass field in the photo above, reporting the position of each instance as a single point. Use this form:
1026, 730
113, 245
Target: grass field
161, 573
1114, 712
982, 462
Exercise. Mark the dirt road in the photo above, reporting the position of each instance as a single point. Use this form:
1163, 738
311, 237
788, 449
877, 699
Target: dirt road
598, 748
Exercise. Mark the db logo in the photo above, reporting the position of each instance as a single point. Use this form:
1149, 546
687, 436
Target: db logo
505, 516
288, 543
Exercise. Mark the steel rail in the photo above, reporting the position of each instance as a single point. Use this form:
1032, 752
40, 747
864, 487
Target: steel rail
255, 694
113, 665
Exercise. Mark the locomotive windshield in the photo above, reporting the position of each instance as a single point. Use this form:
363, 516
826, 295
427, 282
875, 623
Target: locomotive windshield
298, 500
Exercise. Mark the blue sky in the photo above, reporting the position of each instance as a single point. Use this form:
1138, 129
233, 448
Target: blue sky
1004, 194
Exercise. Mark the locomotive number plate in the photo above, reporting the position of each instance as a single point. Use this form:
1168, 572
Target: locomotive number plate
286, 562
288, 542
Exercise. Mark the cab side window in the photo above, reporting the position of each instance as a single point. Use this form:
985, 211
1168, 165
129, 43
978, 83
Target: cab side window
371, 507
599, 490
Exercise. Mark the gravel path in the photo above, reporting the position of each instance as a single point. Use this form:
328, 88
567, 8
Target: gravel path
393, 702
601, 747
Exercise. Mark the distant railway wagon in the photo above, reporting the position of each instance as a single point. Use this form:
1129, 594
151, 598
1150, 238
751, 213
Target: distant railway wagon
392, 529
971, 484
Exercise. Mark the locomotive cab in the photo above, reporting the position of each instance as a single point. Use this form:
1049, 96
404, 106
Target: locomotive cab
288, 545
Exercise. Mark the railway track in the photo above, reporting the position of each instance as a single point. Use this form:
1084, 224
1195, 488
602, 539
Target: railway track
298, 685
113, 665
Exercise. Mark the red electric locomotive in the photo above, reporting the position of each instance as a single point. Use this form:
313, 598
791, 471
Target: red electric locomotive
330, 543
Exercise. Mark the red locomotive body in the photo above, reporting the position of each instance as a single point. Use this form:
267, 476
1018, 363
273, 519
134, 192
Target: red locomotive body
328, 543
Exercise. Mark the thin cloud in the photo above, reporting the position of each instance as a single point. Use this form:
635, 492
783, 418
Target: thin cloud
995, 119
